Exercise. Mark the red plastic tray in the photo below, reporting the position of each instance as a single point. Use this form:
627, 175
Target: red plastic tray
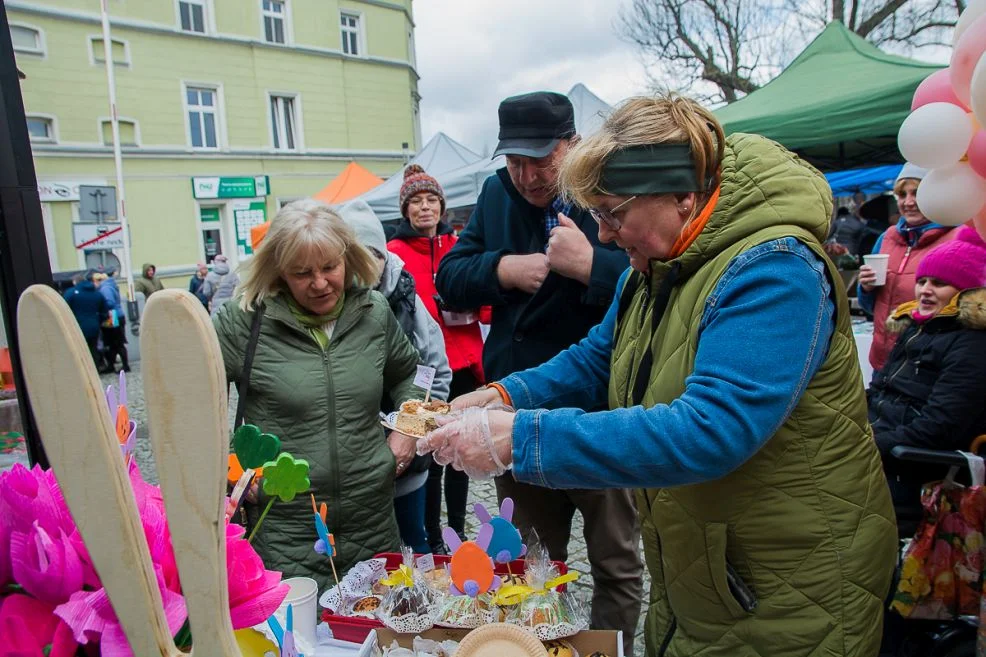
356, 629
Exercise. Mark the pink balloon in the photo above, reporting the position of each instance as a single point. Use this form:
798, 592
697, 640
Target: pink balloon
936, 88
969, 48
977, 153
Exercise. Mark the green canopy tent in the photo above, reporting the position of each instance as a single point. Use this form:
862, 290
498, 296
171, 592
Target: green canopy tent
839, 104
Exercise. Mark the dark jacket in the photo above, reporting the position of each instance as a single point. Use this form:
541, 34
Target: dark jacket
195, 287
88, 306
930, 394
526, 329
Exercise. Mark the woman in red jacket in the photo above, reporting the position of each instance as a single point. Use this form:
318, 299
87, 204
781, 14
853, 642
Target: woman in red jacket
421, 241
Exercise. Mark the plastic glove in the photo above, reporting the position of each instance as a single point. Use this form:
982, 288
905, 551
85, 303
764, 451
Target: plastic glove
472, 441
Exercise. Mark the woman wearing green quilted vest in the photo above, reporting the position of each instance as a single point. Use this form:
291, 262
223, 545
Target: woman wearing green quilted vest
735, 399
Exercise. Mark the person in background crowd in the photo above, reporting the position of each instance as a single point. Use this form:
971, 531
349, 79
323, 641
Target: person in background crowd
227, 286
537, 260
767, 523
397, 286
876, 215
422, 239
220, 267
328, 348
931, 391
90, 310
906, 243
114, 337
148, 283
846, 229
196, 282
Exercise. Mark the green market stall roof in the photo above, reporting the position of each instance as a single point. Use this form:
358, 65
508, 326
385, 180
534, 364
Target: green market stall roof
839, 104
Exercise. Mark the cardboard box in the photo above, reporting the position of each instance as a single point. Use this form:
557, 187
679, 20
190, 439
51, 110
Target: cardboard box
609, 642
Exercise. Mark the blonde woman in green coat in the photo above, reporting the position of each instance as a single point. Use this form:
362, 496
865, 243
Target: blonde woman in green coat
328, 349
735, 400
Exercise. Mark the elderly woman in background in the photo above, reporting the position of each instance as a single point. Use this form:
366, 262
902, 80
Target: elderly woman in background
906, 243
736, 401
328, 349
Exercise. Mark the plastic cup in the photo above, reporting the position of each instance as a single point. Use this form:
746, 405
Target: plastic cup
302, 598
878, 262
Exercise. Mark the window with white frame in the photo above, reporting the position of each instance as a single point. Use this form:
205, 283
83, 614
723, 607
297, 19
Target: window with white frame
350, 27
40, 128
27, 39
274, 13
284, 122
118, 49
203, 116
192, 15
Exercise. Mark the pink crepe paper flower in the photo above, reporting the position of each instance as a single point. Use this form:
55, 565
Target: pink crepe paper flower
47, 567
90, 616
254, 592
150, 507
26, 496
28, 626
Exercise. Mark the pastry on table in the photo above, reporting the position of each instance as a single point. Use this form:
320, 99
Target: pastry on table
366, 606
558, 648
598, 653
417, 418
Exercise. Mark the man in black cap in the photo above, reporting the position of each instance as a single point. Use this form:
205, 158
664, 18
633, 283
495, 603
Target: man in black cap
539, 263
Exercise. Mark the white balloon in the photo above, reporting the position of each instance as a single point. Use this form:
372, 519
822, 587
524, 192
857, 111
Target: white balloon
973, 10
951, 195
935, 135
978, 90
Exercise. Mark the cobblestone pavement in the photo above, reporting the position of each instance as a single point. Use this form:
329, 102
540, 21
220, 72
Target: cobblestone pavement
479, 491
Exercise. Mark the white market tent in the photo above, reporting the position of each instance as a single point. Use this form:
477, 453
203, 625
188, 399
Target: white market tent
463, 181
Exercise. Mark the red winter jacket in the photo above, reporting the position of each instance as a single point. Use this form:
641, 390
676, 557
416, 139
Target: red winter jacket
421, 255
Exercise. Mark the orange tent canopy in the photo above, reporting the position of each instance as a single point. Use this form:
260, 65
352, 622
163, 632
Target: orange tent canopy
350, 183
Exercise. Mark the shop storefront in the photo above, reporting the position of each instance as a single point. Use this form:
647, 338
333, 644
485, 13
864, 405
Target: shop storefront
228, 207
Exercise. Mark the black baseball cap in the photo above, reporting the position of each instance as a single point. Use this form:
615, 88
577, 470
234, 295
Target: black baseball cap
533, 124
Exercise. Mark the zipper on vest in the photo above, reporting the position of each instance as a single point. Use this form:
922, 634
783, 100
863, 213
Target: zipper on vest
640, 327
667, 637
903, 261
333, 446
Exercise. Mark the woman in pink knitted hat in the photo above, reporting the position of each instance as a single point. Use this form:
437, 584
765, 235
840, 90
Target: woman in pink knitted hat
931, 392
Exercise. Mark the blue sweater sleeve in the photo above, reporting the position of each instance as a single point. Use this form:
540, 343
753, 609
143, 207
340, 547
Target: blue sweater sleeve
867, 300
738, 395
577, 377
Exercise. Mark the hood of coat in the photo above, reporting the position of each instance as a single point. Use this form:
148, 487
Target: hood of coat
968, 308
365, 223
145, 267
391, 275
220, 267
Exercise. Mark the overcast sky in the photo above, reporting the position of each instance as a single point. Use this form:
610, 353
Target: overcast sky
471, 54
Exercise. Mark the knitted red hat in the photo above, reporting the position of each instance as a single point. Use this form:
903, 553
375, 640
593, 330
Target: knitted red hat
960, 262
415, 182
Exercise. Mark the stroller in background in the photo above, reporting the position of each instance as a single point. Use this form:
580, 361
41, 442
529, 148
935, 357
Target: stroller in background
939, 576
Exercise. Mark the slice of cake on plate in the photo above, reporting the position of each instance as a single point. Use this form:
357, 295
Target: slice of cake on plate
416, 418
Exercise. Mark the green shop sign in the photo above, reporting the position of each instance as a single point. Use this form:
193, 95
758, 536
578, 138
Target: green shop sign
222, 187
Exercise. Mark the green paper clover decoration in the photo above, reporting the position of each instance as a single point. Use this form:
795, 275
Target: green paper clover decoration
286, 477
253, 448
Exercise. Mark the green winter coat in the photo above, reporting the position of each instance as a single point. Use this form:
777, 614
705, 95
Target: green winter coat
147, 285
324, 407
807, 522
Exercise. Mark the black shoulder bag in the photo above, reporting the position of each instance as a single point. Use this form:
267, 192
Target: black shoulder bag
244, 387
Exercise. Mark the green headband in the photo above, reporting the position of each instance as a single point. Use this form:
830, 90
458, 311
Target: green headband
650, 169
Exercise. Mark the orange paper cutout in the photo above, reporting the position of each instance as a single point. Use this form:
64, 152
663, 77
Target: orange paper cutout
236, 470
470, 562
122, 424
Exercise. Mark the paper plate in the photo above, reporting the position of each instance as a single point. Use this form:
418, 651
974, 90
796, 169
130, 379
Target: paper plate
501, 640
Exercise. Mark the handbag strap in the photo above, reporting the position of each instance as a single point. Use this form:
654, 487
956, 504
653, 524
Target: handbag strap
244, 386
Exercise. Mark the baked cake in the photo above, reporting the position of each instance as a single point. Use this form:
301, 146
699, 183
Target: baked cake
416, 418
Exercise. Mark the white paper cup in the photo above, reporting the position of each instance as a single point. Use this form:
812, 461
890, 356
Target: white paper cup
302, 598
878, 262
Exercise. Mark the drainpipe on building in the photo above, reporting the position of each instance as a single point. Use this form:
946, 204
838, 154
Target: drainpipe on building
132, 313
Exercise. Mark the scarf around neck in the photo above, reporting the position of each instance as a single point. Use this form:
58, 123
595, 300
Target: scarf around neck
315, 324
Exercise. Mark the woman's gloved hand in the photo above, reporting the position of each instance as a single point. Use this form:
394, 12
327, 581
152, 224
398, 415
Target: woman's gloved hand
477, 441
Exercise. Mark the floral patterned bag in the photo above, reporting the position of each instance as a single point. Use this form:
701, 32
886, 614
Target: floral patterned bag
942, 569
